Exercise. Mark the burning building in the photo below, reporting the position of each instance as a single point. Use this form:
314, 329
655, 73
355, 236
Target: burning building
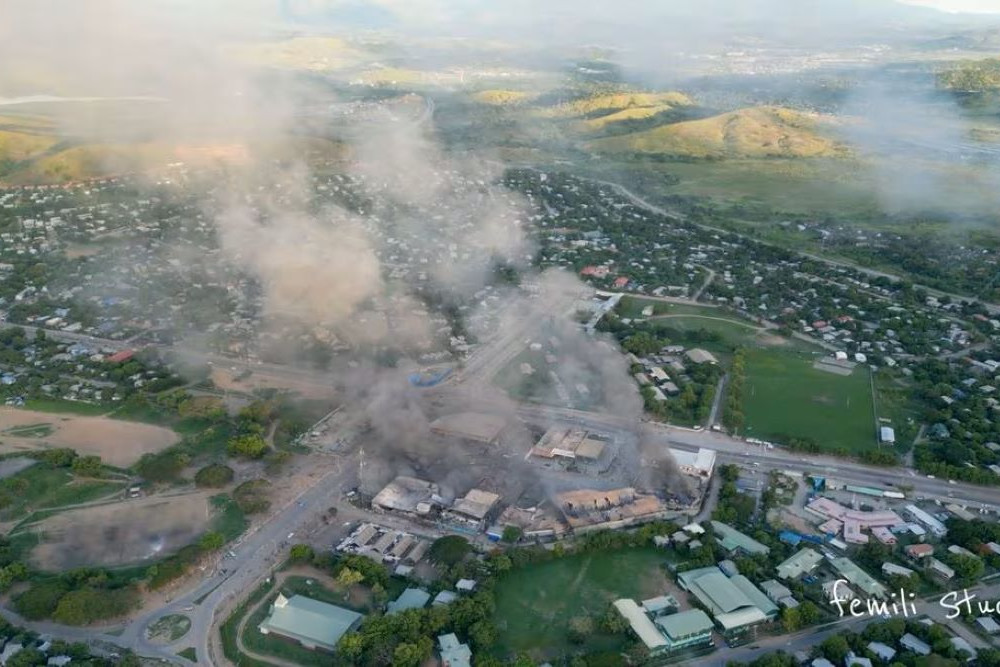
585, 510
470, 426
570, 444
474, 509
408, 495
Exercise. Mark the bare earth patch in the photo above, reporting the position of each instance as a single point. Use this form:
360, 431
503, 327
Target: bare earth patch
771, 340
118, 443
122, 533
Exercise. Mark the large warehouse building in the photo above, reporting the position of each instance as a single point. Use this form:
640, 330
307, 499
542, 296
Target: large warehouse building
471, 426
312, 623
735, 603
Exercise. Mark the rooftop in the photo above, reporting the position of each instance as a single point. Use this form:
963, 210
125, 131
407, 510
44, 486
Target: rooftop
732, 540
411, 598
403, 494
311, 622
476, 504
684, 624
453, 652
640, 624
802, 562
470, 426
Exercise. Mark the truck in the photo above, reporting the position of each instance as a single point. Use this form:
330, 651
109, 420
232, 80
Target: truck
896, 495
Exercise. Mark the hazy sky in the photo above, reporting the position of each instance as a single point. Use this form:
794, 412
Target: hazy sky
984, 6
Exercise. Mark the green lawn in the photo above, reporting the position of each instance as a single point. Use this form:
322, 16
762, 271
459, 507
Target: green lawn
69, 407
536, 603
785, 395
42, 486
229, 518
631, 306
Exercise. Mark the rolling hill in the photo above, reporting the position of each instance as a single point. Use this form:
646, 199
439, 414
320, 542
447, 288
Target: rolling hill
616, 102
497, 97
756, 132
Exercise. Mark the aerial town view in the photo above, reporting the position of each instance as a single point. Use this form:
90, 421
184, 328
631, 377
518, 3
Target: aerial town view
453, 333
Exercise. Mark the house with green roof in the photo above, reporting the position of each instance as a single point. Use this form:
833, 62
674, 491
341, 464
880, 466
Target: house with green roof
411, 598
733, 541
687, 628
801, 563
312, 623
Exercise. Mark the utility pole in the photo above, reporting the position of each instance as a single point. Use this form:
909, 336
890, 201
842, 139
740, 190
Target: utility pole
361, 468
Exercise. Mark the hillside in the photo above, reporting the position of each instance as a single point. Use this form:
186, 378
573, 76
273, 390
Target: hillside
630, 114
745, 133
499, 97
617, 102
24, 137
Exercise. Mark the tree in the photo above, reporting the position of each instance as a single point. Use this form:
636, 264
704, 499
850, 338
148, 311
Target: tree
88, 466
251, 446
26, 657
835, 649
211, 541
301, 553
88, 605
580, 628
791, 619
411, 654
12, 572
613, 622
348, 578
483, 634
351, 646
511, 534
449, 550
967, 568
214, 475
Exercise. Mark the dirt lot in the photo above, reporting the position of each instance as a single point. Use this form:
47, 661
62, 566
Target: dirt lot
224, 379
122, 533
119, 443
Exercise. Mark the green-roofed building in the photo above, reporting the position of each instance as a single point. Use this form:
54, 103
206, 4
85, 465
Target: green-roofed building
733, 541
687, 628
802, 563
312, 623
411, 598
734, 602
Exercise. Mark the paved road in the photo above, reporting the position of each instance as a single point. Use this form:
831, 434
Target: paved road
805, 640
733, 450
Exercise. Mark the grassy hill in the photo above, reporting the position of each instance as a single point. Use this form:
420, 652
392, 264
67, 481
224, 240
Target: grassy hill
24, 137
497, 97
746, 133
630, 114
616, 102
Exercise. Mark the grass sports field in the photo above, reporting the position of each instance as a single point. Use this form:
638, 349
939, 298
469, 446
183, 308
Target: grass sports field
534, 607
785, 395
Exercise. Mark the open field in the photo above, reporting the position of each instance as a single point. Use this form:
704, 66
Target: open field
120, 533
632, 307
43, 486
118, 443
785, 395
535, 605
547, 383
226, 380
